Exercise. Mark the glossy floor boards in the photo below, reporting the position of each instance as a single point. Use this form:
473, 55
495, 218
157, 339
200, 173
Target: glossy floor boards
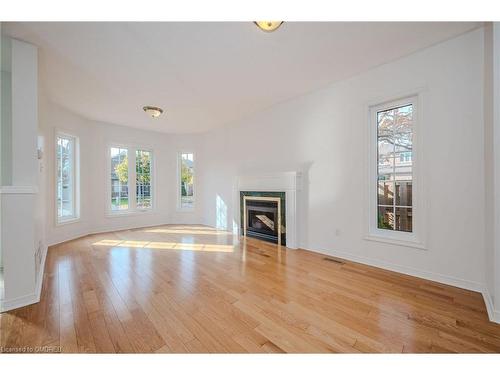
195, 289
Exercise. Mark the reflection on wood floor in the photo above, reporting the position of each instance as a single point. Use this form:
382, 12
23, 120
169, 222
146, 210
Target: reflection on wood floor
195, 289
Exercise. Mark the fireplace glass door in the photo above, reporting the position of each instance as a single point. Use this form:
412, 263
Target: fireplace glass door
262, 219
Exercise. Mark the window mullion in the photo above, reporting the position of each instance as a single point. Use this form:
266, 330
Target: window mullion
132, 181
72, 179
394, 178
59, 181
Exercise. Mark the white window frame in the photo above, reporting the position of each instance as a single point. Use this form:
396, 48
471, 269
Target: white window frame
416, 238
179, 190
75, 178
152, 178
132, 199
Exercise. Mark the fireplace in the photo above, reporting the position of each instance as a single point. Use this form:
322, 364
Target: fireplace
263, 217
285, 185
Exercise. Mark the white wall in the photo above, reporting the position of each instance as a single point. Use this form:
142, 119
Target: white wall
496, 122
324, 135
24, 113
3, 91
6, 114
492, 167
489, 162
95, 138
19, 238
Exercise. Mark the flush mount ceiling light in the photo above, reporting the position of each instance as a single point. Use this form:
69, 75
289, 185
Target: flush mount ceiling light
268, 26
154, 112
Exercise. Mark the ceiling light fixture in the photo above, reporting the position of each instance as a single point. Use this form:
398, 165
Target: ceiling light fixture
268, 26
154, 112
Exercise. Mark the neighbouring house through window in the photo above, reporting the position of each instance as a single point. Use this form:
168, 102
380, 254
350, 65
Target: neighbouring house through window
143, 179
186, 179
131, 177
395, 167
119, 179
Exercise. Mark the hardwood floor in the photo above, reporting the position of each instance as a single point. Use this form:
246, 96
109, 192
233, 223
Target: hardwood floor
189, 289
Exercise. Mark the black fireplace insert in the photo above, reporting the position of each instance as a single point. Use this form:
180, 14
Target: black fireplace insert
262, 219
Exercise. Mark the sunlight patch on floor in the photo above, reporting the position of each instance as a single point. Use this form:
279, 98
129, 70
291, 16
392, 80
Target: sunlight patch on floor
166, 245
188, 231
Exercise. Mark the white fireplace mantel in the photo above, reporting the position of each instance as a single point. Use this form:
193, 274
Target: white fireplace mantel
288, 182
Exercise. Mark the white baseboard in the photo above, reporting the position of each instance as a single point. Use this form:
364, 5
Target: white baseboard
29, 299
41, 272
440, 278
493, 314
79, 234
15, 303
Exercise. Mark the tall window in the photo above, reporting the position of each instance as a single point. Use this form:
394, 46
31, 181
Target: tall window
66, 184
131, 175
119, 179
143, 179
186, 181
395, 167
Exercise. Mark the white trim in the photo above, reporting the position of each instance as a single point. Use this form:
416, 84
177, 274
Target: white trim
108, 209
417, 238
15, 303
152, 176
69, 237
427, 275
41, 271
70, 220
75, 178
493, 315
394, 241
489, 304
107, 229
179, 207
132, 200
29, 299
11, 189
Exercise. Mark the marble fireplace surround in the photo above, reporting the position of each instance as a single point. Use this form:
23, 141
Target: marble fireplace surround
287, 182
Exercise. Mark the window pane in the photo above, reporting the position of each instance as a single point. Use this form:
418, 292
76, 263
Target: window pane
386, 217
386, 193
386, 168
119, 179
385, 146
403, 117
403, 193
187, 180
395, 168
143, 179
385, 120
65, 154
402, 167
403, 219
402, 142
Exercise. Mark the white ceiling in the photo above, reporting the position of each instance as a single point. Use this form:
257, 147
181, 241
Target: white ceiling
206, 75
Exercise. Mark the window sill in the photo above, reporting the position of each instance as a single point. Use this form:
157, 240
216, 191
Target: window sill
395, 241
67, 221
